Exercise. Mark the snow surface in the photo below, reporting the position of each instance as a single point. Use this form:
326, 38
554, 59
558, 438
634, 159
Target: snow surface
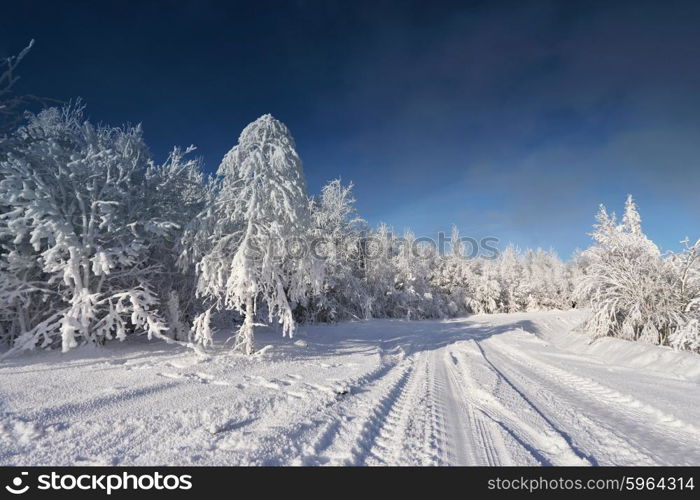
490, 389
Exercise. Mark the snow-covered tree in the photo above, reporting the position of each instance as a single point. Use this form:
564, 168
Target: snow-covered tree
627, 282
509, 275
483, 287
335, 239
448, 275
413, 297
379, 274
11, 106
260, 217
686, 272
179, 192
546, 282
81, 232
513, 281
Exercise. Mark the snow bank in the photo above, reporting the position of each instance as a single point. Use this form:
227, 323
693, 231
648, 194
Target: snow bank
638, 355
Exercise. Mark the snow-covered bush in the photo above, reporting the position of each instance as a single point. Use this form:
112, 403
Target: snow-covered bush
86, 221
632, 290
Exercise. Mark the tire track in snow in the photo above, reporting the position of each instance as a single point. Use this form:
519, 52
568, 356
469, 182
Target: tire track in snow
459, 446
608, 447
434, 429
404, 418
426, 399
350, 442
382, 431
596, 390
525, 423
426, 407
619, 447
339, 418
393, 445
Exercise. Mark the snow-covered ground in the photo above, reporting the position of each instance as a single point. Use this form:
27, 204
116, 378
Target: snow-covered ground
489, 389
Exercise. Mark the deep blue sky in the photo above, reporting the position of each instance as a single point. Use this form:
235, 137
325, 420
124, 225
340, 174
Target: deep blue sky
512, 119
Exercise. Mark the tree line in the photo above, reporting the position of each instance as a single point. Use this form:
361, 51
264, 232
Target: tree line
98, 241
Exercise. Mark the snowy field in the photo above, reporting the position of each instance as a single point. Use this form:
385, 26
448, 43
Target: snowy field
490, 389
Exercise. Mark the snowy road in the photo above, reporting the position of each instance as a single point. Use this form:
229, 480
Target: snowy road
484, 390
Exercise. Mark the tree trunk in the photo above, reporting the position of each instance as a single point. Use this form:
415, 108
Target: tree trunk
247, 330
